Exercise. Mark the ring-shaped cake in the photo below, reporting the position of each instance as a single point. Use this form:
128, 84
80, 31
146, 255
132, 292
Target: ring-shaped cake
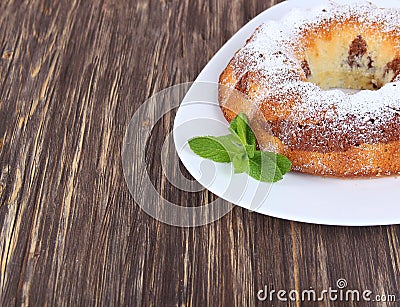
293, 72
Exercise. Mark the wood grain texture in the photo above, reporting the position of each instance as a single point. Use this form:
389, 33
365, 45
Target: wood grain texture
72, 75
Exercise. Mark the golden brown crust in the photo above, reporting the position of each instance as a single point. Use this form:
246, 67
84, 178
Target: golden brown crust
307, 146
366, 160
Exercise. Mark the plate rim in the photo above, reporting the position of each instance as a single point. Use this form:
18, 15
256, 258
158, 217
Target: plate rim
221, 60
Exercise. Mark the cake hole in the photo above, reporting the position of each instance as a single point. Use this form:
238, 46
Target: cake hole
331, 64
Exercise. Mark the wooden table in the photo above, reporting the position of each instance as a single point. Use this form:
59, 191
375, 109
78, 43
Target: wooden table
72, 75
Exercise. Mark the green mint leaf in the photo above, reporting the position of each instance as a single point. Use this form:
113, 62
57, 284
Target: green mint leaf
283, 163
209, 148
268, 166
262, 168
250, 149
240, 163
236, 151
231, 143
240, 127
227, 148
239, 147
218, 149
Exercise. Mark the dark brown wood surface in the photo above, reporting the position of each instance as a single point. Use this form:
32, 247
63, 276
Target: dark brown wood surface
72, 74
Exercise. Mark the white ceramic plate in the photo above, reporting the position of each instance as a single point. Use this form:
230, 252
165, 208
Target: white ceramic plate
298, 197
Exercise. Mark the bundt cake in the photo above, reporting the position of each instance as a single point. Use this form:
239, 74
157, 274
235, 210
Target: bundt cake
291, 75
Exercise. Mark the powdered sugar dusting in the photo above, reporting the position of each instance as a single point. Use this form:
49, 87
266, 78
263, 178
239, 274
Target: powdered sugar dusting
270, 54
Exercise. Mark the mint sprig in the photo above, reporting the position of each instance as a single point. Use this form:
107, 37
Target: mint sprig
239, 147
268, 166
240, 127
